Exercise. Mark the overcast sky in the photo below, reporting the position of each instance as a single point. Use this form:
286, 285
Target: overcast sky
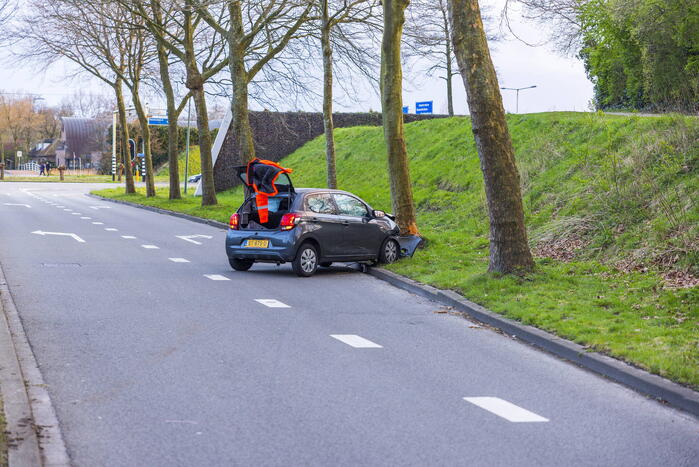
561, 81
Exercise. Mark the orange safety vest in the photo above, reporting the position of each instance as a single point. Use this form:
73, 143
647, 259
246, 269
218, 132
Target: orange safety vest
264, 187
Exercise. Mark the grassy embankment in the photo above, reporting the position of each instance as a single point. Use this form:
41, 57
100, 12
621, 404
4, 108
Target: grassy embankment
611, 211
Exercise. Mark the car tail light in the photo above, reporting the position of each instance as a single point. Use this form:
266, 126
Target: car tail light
235, 221
289, 220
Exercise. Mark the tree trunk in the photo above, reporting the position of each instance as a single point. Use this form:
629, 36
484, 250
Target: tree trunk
239, 76
195, 83
328, 124
145, 131
130, 187
392, 106
450, 72
171, 125
509, 248
172, 115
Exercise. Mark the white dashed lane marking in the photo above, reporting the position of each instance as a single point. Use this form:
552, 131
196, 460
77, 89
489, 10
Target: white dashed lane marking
506, 410
128, 237
271, 303
179, 260
76, 213
216, 277
358, 342
85, 217
98, 223
111, 229
150, 247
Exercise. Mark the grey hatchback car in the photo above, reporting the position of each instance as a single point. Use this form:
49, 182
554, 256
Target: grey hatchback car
310, 228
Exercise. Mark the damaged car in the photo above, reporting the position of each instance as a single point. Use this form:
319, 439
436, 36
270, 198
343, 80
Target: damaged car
307, 227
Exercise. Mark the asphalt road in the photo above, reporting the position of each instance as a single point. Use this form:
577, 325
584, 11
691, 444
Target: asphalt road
153, 361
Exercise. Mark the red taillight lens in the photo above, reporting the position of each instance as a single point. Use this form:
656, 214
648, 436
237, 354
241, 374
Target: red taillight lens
289, 221
235, 221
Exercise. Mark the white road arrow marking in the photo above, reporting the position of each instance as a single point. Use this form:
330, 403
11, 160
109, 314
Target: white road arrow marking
15, 204
188, 238
100, 207
64, 234
271, 303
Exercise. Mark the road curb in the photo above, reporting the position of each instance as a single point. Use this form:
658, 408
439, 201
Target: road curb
34, 435
189, 217
639, 380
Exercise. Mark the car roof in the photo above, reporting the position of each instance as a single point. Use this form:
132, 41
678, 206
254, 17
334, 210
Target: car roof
322, 190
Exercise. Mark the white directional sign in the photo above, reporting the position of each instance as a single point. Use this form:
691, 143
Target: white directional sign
64, 234
188, 238
15, 204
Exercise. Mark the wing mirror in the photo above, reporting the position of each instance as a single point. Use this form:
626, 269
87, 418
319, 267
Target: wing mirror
378, 213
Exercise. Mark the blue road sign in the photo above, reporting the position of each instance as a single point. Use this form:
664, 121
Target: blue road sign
423, 107
157, 121
406, 109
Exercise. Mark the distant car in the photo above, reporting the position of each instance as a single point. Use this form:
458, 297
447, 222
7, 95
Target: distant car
310, 227
194, 178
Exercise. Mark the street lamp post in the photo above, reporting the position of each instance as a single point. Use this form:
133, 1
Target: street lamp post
517, 91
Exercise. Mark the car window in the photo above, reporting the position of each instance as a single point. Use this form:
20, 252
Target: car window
350, 206
321, 203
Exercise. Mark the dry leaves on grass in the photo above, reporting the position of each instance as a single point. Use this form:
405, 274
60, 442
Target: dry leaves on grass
560, 249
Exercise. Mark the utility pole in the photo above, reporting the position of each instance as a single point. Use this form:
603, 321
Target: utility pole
517, 90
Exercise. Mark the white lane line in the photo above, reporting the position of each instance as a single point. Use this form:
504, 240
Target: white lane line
358, 342
61, 207
76, 213
128, 237
150, 247
67, 210
100, 207
85, 217
15, 204
188, 238
506, 410
271, 303
216, 277
111, 229
98, 223
179, 260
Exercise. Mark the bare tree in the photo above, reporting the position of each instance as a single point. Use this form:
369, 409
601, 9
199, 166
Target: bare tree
336, 16
257, 32
392, 105
428, 42
53, 30
88, 105
561, 15
509, 248
177, 27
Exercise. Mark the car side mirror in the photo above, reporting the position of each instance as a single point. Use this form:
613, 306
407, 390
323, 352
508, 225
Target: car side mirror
378, 213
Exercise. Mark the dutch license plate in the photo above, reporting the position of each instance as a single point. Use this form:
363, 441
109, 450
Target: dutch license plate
257, 244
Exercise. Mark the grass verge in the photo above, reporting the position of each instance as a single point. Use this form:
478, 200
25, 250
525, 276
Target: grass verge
610, 205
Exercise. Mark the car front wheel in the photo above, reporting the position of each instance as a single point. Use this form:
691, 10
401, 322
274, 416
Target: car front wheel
389, 252
240, 264
306, 262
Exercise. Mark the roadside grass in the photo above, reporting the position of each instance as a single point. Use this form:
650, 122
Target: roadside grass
194, 163
610, 204
228, 202
68, 179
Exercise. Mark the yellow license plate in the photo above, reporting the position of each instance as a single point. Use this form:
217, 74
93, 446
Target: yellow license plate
257, 244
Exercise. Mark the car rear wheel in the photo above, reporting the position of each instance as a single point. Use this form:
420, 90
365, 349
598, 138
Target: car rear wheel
240, 264
306, 262
389, 252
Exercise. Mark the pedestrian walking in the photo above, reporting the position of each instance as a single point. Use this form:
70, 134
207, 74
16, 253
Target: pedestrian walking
42, 169
48, 168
